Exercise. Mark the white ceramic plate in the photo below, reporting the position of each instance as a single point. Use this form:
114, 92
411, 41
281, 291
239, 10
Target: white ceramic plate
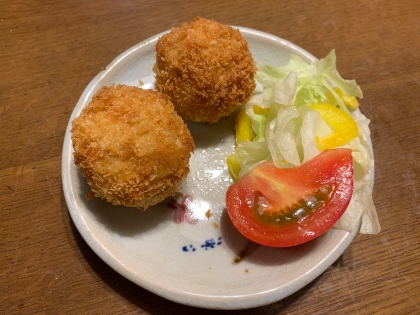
193, 262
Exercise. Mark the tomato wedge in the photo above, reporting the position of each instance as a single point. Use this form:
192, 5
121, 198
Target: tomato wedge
282, 207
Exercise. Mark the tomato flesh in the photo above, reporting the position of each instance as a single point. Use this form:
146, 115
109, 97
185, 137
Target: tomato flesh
290, 206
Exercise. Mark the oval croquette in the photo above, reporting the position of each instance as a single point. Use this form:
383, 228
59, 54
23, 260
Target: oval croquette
131, 146
206, 68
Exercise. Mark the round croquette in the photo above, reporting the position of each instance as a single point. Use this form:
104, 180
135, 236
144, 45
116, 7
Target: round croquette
131, 146
206, 69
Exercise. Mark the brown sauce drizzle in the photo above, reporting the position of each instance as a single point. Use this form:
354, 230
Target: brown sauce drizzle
249, 248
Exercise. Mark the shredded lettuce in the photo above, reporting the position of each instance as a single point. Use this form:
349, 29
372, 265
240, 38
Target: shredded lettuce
285, 127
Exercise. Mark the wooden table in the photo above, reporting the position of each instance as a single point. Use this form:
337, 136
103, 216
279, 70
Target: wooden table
50, 51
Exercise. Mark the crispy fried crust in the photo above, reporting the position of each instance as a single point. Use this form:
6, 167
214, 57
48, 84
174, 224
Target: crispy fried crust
131, 146
206, 68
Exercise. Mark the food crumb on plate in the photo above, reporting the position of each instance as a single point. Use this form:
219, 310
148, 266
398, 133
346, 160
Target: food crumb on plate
215, 225
209, 214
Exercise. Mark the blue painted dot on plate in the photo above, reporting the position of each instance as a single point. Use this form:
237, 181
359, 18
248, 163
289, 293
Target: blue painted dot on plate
208, 244
211, 243
188, 248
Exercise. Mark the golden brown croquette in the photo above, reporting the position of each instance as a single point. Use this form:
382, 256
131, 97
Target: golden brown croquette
131, 146
206, 68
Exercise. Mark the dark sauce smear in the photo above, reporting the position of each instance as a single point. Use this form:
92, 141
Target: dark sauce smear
249, 248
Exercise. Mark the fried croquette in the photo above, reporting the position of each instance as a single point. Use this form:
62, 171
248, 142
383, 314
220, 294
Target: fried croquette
206, 68
131, 146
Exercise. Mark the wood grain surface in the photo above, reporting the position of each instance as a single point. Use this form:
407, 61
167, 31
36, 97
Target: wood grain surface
49, 52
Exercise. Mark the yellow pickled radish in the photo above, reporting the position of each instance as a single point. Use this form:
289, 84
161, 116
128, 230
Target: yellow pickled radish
234, 166
260, 111
343, 125
349, 101
243, 127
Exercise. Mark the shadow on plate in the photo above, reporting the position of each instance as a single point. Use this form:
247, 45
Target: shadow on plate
121, 220
259, 254
210, 135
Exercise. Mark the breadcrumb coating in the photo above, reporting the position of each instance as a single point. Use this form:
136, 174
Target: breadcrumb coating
131, 146
206, 68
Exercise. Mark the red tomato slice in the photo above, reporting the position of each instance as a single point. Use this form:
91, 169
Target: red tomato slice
290, 206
